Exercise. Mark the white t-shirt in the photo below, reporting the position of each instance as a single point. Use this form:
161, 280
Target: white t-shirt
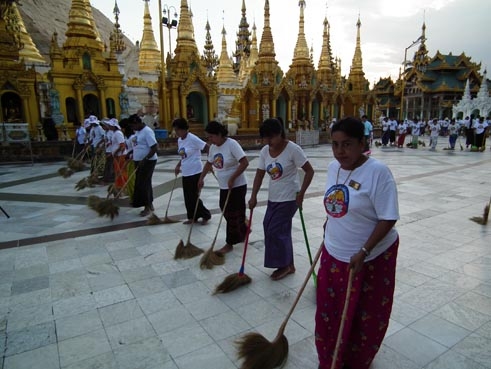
434, 129
189, 149
354, 208
480, 127
80, 134
116, 140
284, 182
108, 138
453, 128
392, 125
225, 160
401, 128
142, 141
415, 128
96, 135
385, 125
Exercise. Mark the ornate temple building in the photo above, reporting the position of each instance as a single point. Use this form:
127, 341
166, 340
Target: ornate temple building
81, 71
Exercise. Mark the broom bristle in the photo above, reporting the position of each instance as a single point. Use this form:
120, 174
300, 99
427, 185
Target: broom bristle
168, 220
478, 220
187, 252
65, 172
211, 258
154, 220
83, 183
232, 282
258, 353
107, 208
485, 215
76, 164
93, 201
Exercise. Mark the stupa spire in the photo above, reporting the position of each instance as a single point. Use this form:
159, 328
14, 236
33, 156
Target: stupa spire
149, 59
243, 42
185, 30
117, 41
81, 32
210, 57
325, 59
266, 47
29, 52
301, 52
357, 63
225, 72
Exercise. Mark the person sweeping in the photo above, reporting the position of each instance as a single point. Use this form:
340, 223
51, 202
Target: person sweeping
280, 158
229, 162
361, 203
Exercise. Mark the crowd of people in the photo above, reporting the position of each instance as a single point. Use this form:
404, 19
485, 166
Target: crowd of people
473, 130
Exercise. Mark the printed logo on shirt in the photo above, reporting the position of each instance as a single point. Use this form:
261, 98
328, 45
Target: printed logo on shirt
275, 170
182, 152
336, 201
218, 161
134, 141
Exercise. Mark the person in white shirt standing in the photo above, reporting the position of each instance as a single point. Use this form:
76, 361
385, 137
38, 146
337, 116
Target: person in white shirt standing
480, 129
229, 162
280, 158
434, 128
189, 148
80, 138
392, 131
145, 158
368, 133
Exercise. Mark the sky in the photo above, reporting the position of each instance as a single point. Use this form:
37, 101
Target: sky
388, 27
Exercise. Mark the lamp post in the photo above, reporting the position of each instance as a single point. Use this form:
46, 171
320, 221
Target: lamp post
169, 23
418, 41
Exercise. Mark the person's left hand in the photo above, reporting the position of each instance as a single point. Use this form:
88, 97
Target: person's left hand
357, 261
299, 200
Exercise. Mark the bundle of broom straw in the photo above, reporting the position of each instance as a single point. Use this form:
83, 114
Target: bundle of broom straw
107, 207
211, 258
189, 250
75, 164
236, 280
155, 220
484, 219
257, 352
85, 182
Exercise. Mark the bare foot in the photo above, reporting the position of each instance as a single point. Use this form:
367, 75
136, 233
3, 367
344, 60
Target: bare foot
225, 249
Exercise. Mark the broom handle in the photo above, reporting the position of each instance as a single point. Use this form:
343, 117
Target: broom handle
221, 217
194, 216
241, 271
170, 197
343, 319
299, 294
314, 276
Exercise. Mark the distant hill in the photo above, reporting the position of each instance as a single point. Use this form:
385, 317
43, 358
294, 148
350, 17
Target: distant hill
43, 17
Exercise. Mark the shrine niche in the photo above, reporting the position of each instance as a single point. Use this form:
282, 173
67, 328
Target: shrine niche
12, 108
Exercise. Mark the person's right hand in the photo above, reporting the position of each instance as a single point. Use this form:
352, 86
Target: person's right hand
201, 183
177, 170
252, 202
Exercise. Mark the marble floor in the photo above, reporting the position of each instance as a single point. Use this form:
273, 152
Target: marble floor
79, 291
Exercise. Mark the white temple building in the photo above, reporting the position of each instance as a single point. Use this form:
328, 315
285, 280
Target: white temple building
479, 106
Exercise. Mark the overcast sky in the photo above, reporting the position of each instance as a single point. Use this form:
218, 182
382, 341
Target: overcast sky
388, 27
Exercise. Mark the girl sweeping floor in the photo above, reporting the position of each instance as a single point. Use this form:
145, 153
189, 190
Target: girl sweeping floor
228, 160
280, 158
362, 208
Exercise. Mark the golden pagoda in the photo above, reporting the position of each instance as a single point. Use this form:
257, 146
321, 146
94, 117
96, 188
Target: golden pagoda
149, 59
248, 62
357, 86
259, 96
83, 79
29, 51
18, 101
192, 92
225, 73
300, 80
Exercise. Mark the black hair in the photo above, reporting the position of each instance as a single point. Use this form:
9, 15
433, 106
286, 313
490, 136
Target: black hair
180, 123
351, 127
135, 119
271, 127
216, 128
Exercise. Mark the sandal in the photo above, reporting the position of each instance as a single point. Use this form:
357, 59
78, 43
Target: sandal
281, 273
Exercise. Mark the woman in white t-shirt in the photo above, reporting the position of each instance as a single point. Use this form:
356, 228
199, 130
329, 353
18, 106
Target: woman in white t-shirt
280, 158
118, 152
189, 148
362, 208
229, 162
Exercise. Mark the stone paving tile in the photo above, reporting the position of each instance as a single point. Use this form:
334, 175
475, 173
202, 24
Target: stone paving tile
77, 325
30, 338
83, 347
41, 358
30, 285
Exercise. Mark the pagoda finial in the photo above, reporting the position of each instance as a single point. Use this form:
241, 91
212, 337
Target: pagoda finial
210, 58
301, 48
357, 63
325, 60
243, 42
266, 47
149, 59
117, 41
225, 72
185, 30
29, 52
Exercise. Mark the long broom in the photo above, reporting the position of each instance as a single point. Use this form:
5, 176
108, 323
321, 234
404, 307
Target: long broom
343, 319
211, 258
484, 219
154, 219
189, 250
73, 165
314, 276
257, 352
234, 281
107, 207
